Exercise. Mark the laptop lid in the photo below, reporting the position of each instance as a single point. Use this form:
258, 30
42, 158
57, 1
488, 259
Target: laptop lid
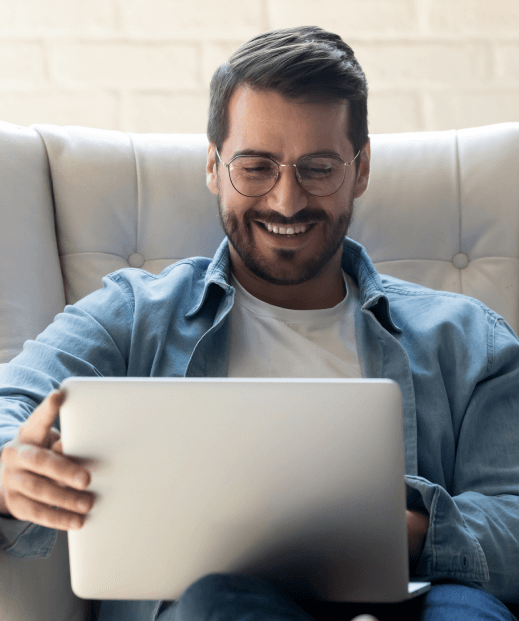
297, 480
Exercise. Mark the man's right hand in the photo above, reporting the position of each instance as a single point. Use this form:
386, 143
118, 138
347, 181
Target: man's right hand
39, 483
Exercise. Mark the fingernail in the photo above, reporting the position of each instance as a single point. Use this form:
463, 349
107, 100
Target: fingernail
80, 479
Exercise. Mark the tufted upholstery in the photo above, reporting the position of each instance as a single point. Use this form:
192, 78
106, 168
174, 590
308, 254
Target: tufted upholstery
441, 210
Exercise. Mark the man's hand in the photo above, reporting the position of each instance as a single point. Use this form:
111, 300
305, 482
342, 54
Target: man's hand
39, 483
417, 527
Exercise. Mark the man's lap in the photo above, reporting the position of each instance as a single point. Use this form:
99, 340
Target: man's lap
232, 597
445, 601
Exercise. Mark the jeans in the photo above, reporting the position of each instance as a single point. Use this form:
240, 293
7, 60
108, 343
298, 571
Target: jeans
234, 597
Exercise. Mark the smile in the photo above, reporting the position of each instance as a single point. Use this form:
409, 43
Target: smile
298, 230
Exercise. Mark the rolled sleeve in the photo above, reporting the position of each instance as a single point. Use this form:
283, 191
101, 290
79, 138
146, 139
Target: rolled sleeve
474, 526
23, 539
90, 338
450, 549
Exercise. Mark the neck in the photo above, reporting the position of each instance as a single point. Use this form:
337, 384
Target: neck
325, 290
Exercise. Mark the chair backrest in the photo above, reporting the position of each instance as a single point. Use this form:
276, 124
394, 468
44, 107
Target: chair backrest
441, 210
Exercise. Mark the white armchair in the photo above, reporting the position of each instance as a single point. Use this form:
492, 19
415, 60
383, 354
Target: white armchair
441, 210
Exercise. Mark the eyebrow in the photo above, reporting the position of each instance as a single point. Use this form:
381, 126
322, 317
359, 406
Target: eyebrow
277, 156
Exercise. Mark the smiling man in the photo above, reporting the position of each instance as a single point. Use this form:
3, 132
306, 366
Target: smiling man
287, 202
288, 294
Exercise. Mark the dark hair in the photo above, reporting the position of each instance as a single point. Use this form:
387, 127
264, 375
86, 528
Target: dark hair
302, 62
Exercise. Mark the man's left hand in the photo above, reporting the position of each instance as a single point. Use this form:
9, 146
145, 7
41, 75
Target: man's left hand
417, 527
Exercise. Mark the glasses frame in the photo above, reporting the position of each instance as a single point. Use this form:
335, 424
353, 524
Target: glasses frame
287, 165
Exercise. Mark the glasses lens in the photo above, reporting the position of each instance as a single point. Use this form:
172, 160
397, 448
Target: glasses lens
253, 176
321, 176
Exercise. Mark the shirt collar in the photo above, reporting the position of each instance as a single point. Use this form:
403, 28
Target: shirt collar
355, 261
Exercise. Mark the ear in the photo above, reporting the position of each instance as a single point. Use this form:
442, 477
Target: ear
211, 175
364, 168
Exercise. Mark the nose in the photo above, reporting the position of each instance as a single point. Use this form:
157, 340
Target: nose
287, 196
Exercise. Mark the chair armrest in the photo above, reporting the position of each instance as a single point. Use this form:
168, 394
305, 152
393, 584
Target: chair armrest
39, 589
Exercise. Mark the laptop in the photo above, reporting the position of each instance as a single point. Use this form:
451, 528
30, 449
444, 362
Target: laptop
299, 481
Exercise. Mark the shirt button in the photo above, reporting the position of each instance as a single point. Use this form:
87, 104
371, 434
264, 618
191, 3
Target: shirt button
136, 260
460, 260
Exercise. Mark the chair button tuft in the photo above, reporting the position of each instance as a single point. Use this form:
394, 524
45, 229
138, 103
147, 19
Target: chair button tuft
460, 260
136, 260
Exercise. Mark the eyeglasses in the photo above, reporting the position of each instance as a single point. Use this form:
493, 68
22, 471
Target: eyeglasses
253, 175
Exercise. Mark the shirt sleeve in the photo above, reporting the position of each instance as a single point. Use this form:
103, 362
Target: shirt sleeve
473, 532
89, 338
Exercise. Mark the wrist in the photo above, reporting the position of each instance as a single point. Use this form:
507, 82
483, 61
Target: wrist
417, 529
4, 511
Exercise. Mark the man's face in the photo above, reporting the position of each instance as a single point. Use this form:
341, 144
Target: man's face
286, 130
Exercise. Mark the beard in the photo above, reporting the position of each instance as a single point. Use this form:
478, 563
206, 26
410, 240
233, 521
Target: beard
282, 272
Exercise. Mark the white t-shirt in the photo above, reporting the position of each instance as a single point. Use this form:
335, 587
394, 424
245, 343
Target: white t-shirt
270, 341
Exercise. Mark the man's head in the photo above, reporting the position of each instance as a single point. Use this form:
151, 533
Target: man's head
288, 94
300, 62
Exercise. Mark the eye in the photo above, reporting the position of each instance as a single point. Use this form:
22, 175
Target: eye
317, 168
314, 172
253, 167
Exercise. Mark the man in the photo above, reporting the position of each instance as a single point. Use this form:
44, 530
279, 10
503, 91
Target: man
287, 294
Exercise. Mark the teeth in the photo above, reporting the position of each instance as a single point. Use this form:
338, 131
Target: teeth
300, 228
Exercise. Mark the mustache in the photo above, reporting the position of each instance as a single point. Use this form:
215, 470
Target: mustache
302, 217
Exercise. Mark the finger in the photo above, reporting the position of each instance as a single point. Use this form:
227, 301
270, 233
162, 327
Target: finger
50, 493
24, 508
53, 496
55, 441
47, 463
57, 447
35, 430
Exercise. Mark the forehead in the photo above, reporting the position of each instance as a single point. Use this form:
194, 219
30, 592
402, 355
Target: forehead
291, 127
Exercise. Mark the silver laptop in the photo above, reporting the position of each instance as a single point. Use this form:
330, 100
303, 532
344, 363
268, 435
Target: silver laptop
300, 481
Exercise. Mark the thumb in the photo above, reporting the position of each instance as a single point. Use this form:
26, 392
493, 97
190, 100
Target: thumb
36, 430
55, 441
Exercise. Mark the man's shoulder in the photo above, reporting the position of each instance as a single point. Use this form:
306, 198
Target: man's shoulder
403, 292
177, 286
172, 276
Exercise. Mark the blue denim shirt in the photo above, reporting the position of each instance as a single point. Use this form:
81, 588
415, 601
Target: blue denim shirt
455, 360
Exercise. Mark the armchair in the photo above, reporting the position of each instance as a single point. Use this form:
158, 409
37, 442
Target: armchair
441, 210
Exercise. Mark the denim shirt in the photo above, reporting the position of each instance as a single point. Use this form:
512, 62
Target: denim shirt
456, 362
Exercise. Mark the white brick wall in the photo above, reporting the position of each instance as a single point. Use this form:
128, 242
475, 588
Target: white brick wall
145, 65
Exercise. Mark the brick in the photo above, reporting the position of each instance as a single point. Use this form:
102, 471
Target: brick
22, 65
394, 112
213, 55
177, 113
57, 17
347, 18
473, 17
455, 110
410, 65
141, 65
61, 108
183, 19
507, 64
